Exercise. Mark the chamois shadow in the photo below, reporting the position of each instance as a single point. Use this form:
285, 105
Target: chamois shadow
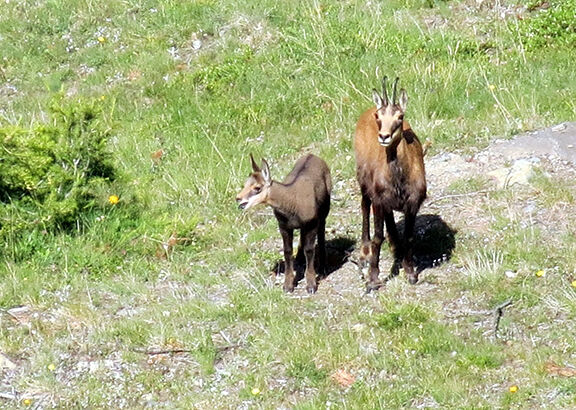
338, 250
434, 241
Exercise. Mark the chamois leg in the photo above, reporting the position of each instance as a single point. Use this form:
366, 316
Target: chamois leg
366, 246
309, 236
393, 240
376, 245
287, 238
408, 242
322, 268
300, 258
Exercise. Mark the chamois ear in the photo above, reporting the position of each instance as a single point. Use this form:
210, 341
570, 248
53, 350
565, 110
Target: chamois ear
254, 166
403, 101
265, 171
377, 99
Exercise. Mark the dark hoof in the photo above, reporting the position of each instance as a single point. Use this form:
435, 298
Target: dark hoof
413, 279
311, 289
373, 286
288, 289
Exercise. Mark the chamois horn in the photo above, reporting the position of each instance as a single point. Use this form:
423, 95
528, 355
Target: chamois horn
384, 90
395, 88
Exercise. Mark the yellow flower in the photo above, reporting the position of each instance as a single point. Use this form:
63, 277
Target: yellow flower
573, 283
102, 97
27, 402
513, 389
101, 39
255, 391
491, 87
113, 199
540, 273
51, 367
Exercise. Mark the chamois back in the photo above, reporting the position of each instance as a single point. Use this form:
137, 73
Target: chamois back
309, 186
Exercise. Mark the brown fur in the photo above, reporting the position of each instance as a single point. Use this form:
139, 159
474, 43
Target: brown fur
391, 178
301, 201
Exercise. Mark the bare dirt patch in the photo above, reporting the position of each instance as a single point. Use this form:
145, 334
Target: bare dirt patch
506, 167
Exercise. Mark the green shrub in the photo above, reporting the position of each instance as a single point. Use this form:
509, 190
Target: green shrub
50, 174
553, 26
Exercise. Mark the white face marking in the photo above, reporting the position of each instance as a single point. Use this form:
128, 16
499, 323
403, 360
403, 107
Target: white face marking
254, 192
389, 120
251, 201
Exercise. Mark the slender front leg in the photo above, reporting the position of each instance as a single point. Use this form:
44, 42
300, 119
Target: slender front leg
373, 282
287, 238
300, 259
393, 240
365, 250
309, 239
408, 243
322, 268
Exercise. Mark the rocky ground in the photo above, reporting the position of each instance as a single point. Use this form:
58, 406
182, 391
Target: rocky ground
466, 193
460, 191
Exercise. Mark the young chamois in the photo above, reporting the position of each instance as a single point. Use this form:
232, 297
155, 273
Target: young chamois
302, 202
390, 171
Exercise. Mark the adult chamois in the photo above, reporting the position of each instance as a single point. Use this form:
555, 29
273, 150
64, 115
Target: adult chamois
302, 202
390, 171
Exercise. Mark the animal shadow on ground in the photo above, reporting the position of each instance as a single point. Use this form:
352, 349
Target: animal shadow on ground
338, 251
434, 241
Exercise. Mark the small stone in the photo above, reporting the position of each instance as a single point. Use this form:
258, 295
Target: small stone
559, 127
519, 173
22, 314
6, 363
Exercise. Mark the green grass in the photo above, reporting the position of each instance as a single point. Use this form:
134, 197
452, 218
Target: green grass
166, 299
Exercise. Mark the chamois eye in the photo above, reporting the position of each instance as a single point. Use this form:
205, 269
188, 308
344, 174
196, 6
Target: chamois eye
257, 189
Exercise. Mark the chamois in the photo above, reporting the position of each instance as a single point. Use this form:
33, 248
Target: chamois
390, 172
302, 202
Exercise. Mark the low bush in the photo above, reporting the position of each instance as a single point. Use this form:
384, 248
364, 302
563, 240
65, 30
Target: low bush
53, 174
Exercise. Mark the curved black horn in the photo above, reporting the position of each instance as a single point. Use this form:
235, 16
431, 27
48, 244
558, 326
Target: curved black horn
394, 89
384, 90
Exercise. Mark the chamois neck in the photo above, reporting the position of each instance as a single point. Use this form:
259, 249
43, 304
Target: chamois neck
392, 149
281, 197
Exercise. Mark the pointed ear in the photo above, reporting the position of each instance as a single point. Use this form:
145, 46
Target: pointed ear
377, 99
403, 101
254, 166
265, 171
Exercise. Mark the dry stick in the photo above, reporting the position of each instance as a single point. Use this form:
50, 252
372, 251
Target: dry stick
441, 198
498, 312
8, 396
175, 351
157, 352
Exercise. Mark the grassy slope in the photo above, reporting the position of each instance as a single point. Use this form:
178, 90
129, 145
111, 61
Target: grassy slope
208, 82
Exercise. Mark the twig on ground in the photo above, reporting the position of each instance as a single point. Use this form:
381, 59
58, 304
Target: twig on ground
450, 196
498, 312
9, 396
176, 351
165, 351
